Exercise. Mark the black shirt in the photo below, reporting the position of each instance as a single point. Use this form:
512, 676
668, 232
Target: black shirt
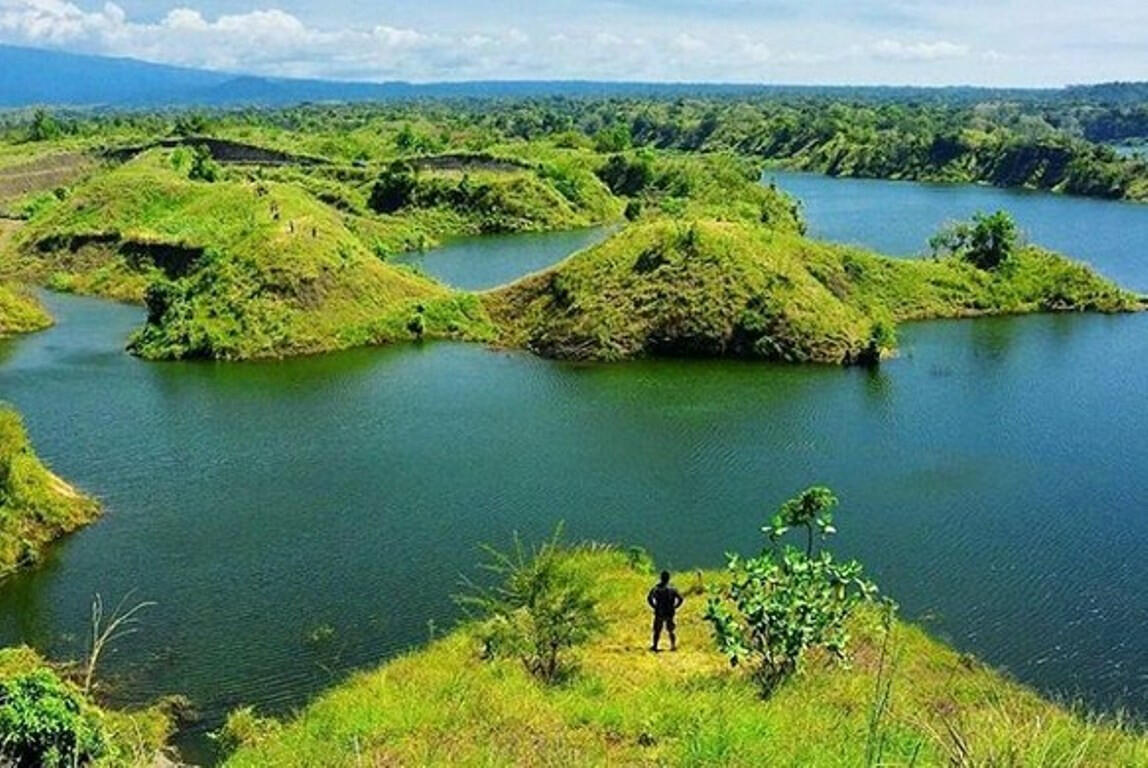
664, 600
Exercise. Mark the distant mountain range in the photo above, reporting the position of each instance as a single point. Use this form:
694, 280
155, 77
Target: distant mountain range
32, 76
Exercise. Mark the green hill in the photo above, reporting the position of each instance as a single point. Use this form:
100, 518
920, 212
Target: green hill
36, 506
445, 705
231, 270
711, 288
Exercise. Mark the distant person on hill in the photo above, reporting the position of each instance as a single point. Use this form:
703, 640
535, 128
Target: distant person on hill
665, 600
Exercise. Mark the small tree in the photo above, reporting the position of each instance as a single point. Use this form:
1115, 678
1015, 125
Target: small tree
44, 126
543, 607
993, 240
394, 189
784, 602
203, 165
987, 240
614, 138
812, 508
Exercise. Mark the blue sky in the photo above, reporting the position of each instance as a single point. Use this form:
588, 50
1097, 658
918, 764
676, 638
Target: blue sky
943, 42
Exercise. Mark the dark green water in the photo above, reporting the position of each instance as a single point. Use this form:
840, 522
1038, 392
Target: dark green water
994, 479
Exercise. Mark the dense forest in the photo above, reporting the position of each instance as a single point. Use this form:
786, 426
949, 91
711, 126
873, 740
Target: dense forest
1058, 141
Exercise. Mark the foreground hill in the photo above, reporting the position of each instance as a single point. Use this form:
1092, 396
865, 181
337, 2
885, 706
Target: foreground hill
714, 288
626, 706
36, 506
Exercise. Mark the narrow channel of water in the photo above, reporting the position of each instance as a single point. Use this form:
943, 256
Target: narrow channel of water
478, 263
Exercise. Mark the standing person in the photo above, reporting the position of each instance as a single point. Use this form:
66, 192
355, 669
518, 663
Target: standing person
665, 600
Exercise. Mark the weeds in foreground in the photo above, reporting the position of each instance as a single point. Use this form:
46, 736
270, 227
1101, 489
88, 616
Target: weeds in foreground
540, 611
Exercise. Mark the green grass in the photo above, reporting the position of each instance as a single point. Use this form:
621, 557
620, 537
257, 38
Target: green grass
290, 261
20, 312
134, 738
722, 288
443, 705
236, 269
36, 506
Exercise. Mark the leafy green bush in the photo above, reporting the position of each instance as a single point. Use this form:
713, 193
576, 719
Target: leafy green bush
627, 175
543, 607
44, 723
782, 603
203, 165
394, 189
986, 241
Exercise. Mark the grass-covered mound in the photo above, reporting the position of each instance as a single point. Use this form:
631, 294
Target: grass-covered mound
20, 312
36, 506
233, 269
702, 186
483, 198
713, 288
626, 706
46, 720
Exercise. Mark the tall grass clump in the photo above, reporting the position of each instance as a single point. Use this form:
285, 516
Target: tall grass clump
540, 609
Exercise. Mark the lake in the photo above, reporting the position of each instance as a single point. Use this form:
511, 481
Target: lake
478, 263
298, 519
898, 217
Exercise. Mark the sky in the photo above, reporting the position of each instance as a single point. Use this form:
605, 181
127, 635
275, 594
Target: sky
918, 42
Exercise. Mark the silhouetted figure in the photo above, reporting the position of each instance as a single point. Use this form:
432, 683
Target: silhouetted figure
665, 600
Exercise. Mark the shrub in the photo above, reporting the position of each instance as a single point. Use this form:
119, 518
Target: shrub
243, 727
986, 241
45, 722
543, 608
627, 176
203, 165
394, 189
784, 602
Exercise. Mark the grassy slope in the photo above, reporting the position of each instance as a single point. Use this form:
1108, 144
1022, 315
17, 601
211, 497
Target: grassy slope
134, 738
20, 312
734, 288
36, 506
238, 282
626, 706
283, 262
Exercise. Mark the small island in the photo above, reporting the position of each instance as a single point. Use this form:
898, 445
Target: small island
237, 260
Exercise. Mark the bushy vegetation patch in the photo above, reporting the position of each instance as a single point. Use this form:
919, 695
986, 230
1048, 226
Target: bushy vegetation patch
36, 507
46, 721
20, 312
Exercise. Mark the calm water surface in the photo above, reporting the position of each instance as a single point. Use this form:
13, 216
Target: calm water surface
477, 263
898, 217
994, 478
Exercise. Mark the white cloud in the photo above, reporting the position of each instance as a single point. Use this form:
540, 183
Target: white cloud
687, 43
609, 39
893, 49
